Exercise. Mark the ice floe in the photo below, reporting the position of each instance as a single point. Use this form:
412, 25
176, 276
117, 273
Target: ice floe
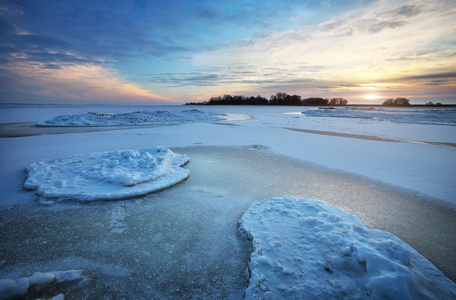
13, 289
307, 248
107, 175
134, 118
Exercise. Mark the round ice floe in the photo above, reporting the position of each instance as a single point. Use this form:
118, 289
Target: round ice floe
325, 253
107, 175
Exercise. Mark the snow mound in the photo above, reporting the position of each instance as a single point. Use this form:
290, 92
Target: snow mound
133, 118
307, 248
13, 289
107, 175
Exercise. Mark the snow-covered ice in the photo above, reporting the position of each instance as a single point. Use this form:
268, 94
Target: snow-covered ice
136, 118
107, 175
307, 248
169, 243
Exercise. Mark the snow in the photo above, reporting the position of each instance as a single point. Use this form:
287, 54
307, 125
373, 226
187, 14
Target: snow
106, 175
133, 119
306, 247
13, 289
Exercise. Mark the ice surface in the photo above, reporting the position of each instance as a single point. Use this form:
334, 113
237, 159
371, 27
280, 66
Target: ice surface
305, 247
133, 118
182, 241
107, 175
443, 116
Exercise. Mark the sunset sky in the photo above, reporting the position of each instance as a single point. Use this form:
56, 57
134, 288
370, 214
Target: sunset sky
175, 51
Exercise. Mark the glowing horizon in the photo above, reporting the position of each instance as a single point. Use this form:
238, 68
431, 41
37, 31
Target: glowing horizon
173, 52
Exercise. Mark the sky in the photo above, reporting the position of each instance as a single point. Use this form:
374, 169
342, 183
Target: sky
177, 51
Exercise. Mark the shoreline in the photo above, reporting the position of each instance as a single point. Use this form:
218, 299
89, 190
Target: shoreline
24, 129
368, 137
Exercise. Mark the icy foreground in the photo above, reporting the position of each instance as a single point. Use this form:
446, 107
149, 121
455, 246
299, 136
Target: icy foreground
307, 248
12, 289
107, 175
133, 118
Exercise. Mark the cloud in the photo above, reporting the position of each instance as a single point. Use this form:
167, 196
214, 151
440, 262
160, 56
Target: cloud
74, 81
432, 76
404, 11
206, 12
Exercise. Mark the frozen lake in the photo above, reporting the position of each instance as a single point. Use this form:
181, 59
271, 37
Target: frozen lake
184, 241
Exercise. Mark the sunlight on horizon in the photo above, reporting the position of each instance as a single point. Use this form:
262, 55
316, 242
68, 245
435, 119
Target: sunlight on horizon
371, 97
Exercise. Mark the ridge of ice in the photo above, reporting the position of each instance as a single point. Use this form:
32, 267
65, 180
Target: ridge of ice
305, 247
107, 175
400, 116
133, 119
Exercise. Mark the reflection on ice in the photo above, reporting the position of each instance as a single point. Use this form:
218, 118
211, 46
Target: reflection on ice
184, 241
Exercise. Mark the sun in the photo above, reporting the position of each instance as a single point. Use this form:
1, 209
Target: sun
371, 97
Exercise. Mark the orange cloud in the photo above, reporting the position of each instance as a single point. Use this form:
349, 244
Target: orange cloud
80, 81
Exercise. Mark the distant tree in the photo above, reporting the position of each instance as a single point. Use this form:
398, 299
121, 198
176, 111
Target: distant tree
397, 102
337, 101
278, 99
430, 103
315, 101
388, 102
402, 102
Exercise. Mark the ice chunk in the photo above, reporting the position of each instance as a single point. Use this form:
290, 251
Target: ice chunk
10, 289
42, 278
133, 118
107, 175
325, 253
58, 297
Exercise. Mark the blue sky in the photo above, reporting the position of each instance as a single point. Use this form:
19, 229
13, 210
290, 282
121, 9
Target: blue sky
179, 51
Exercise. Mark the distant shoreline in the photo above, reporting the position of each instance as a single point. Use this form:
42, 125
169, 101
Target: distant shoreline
347, 105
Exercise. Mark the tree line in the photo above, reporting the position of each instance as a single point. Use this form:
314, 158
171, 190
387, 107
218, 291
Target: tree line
293, 100
277, 99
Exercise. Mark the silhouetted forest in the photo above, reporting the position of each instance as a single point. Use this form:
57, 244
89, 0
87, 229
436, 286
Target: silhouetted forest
277, 99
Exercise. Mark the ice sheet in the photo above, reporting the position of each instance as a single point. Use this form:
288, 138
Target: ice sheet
424, 173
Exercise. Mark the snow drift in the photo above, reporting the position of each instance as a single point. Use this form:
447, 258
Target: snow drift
133, 118
305, 247
107, 175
